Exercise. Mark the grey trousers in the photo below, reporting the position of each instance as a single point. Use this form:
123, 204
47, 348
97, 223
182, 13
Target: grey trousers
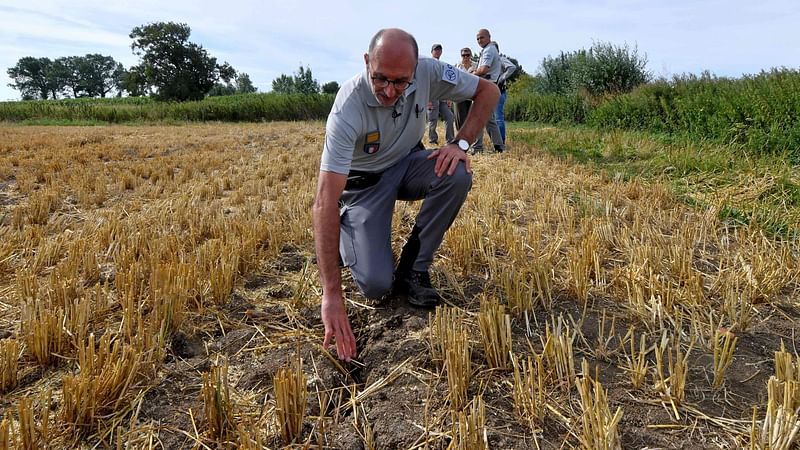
440, 109
366, 218
461, 110
494, 134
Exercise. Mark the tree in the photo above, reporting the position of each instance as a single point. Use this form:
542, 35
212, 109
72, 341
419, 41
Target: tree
30, 76
133, 81
244, 85
65, 71
175, 68
603, 69
99, 74
93, 75
304, 83
301, 83
284, 84
221, 89
330, 87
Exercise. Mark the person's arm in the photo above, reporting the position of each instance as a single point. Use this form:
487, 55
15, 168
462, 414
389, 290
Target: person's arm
326, 239
483, 104
507, 72
481, 71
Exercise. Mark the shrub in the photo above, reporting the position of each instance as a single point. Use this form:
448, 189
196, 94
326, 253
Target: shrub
603, 69
760, 111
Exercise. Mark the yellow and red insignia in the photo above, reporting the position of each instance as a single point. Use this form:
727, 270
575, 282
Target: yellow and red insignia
372, 143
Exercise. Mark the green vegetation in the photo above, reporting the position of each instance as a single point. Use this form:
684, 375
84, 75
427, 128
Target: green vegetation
93, 75
602, 69
746, 186
546, 108
234, 108
172, 67
759, 112
301, 83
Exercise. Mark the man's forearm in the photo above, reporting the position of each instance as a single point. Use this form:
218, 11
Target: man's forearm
481, 71
326, 231
483, 104
326, 237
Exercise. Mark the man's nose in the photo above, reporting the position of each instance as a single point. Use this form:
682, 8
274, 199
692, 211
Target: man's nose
390, 90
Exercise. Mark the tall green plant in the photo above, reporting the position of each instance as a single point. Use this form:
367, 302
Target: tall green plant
603, 69
760, 111
232, 108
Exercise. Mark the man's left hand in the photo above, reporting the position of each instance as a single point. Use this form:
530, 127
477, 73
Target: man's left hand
447, 159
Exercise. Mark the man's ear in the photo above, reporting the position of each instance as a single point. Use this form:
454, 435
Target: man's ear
366, 58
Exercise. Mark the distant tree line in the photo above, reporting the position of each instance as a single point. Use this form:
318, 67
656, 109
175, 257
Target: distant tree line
92, 75
171, 68
302, 82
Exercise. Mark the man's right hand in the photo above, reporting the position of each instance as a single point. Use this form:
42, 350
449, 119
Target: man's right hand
337, 326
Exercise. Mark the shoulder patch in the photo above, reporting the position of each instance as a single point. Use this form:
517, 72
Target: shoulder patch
450, 74
373, 137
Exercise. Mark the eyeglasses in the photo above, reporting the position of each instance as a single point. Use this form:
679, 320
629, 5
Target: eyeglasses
382, 82
466, 54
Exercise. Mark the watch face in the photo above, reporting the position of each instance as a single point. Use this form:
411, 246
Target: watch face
463, 144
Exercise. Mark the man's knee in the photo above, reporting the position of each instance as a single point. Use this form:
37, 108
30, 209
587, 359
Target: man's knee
460, 180
375, 285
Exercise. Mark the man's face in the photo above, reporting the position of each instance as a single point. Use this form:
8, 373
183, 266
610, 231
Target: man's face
483, 38
390, 76
466, 57
437, 53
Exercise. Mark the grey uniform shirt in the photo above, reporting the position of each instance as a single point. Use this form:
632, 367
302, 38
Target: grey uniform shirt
490, 57
361, 134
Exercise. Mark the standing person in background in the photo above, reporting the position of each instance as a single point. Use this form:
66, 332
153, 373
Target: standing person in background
462, 108
439, 108
489, 68
507, 70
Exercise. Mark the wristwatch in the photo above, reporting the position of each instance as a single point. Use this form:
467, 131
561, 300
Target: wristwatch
461, 143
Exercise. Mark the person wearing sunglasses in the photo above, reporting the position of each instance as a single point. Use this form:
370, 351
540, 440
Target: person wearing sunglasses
461, 109
373, 156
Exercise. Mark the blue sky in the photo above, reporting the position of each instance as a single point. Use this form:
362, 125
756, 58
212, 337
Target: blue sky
268, 38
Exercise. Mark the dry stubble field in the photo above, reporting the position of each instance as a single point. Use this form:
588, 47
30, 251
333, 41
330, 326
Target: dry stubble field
158, 290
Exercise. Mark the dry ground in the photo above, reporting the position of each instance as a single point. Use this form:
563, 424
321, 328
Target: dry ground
189, 248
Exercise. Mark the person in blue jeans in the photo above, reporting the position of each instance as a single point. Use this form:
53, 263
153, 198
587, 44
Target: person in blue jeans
499, 117
508, 69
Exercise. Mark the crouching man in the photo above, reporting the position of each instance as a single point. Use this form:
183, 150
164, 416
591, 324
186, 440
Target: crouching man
373, 157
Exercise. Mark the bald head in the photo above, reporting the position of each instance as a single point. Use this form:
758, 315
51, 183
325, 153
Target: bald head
483, 37
392, 58
395, 41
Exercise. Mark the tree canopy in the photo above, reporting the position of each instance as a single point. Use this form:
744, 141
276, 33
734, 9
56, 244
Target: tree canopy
243, 85
302, 82
330, 87
603, 69
171, 66
93, 75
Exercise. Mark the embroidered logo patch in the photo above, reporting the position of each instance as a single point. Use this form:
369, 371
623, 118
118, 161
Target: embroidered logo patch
450, 74
372, 143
